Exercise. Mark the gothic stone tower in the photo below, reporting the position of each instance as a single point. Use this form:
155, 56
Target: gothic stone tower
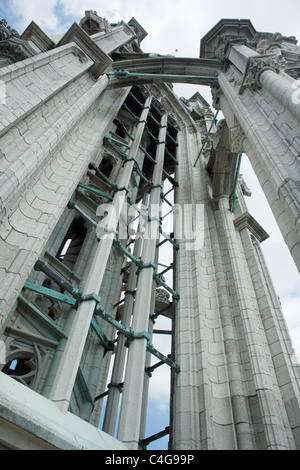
95, 146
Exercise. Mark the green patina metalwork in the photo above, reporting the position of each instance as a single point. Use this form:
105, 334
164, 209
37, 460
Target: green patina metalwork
233, 196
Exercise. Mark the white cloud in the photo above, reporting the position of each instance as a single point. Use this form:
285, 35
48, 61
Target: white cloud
32, 10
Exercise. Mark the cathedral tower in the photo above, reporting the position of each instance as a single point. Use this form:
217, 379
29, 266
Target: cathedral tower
120, 205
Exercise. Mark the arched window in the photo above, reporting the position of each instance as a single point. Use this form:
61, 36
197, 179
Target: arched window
22, 367
72, 243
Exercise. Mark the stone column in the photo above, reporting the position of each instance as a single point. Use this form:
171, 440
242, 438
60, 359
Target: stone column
66, 373
113, 399
132, 400
260, 98
271, 414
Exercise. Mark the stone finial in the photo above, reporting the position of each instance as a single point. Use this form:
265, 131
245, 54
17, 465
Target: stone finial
93, 24
6, 31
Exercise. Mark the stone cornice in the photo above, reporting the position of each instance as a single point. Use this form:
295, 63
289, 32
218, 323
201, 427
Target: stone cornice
88, 46
247, 221
35, 34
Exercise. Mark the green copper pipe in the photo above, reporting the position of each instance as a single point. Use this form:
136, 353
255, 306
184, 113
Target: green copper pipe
122, 74
233, 197
95, 190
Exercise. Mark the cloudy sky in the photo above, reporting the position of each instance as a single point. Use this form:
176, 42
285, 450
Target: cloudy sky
175, 27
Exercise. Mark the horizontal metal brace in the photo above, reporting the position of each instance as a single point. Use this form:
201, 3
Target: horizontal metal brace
116, 149
147, 155
169, 239
92, 166
172, 157
128, 332
135, 99
141, 174
122, 74
158, 219
119, 303
175, 245
52, 294
151, 135
166, 270
165, 199
170, 137
109, 345
112, 139
124, 106
120, 123
72, 205
144, 442
163, 284
112, 384
80, 297
95, 191
162, 332
175, 367
131, 335
137, 261
150, 369
155, 120
171, 179
43, 267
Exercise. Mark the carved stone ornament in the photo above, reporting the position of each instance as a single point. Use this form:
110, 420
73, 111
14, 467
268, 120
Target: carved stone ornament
283, 47
6, 31
13, 50
244, 187
256, 66
226, 40
216, 93
162, 295
237, 138
93, 24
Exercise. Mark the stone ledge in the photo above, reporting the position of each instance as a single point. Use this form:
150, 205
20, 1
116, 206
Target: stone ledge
89, 47
40, 423
247, 221
35, 34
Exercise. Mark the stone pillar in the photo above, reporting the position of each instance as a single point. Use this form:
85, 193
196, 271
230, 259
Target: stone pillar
113, 399
271, 413
66, 373
132, 400
259, 100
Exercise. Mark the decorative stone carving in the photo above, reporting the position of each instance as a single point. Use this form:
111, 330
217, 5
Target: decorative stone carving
23, 363
162, 295
284, 48
12, 48
256, 66
93, 24
226, 40
6, 31
216, 93
237, 138
243, 185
